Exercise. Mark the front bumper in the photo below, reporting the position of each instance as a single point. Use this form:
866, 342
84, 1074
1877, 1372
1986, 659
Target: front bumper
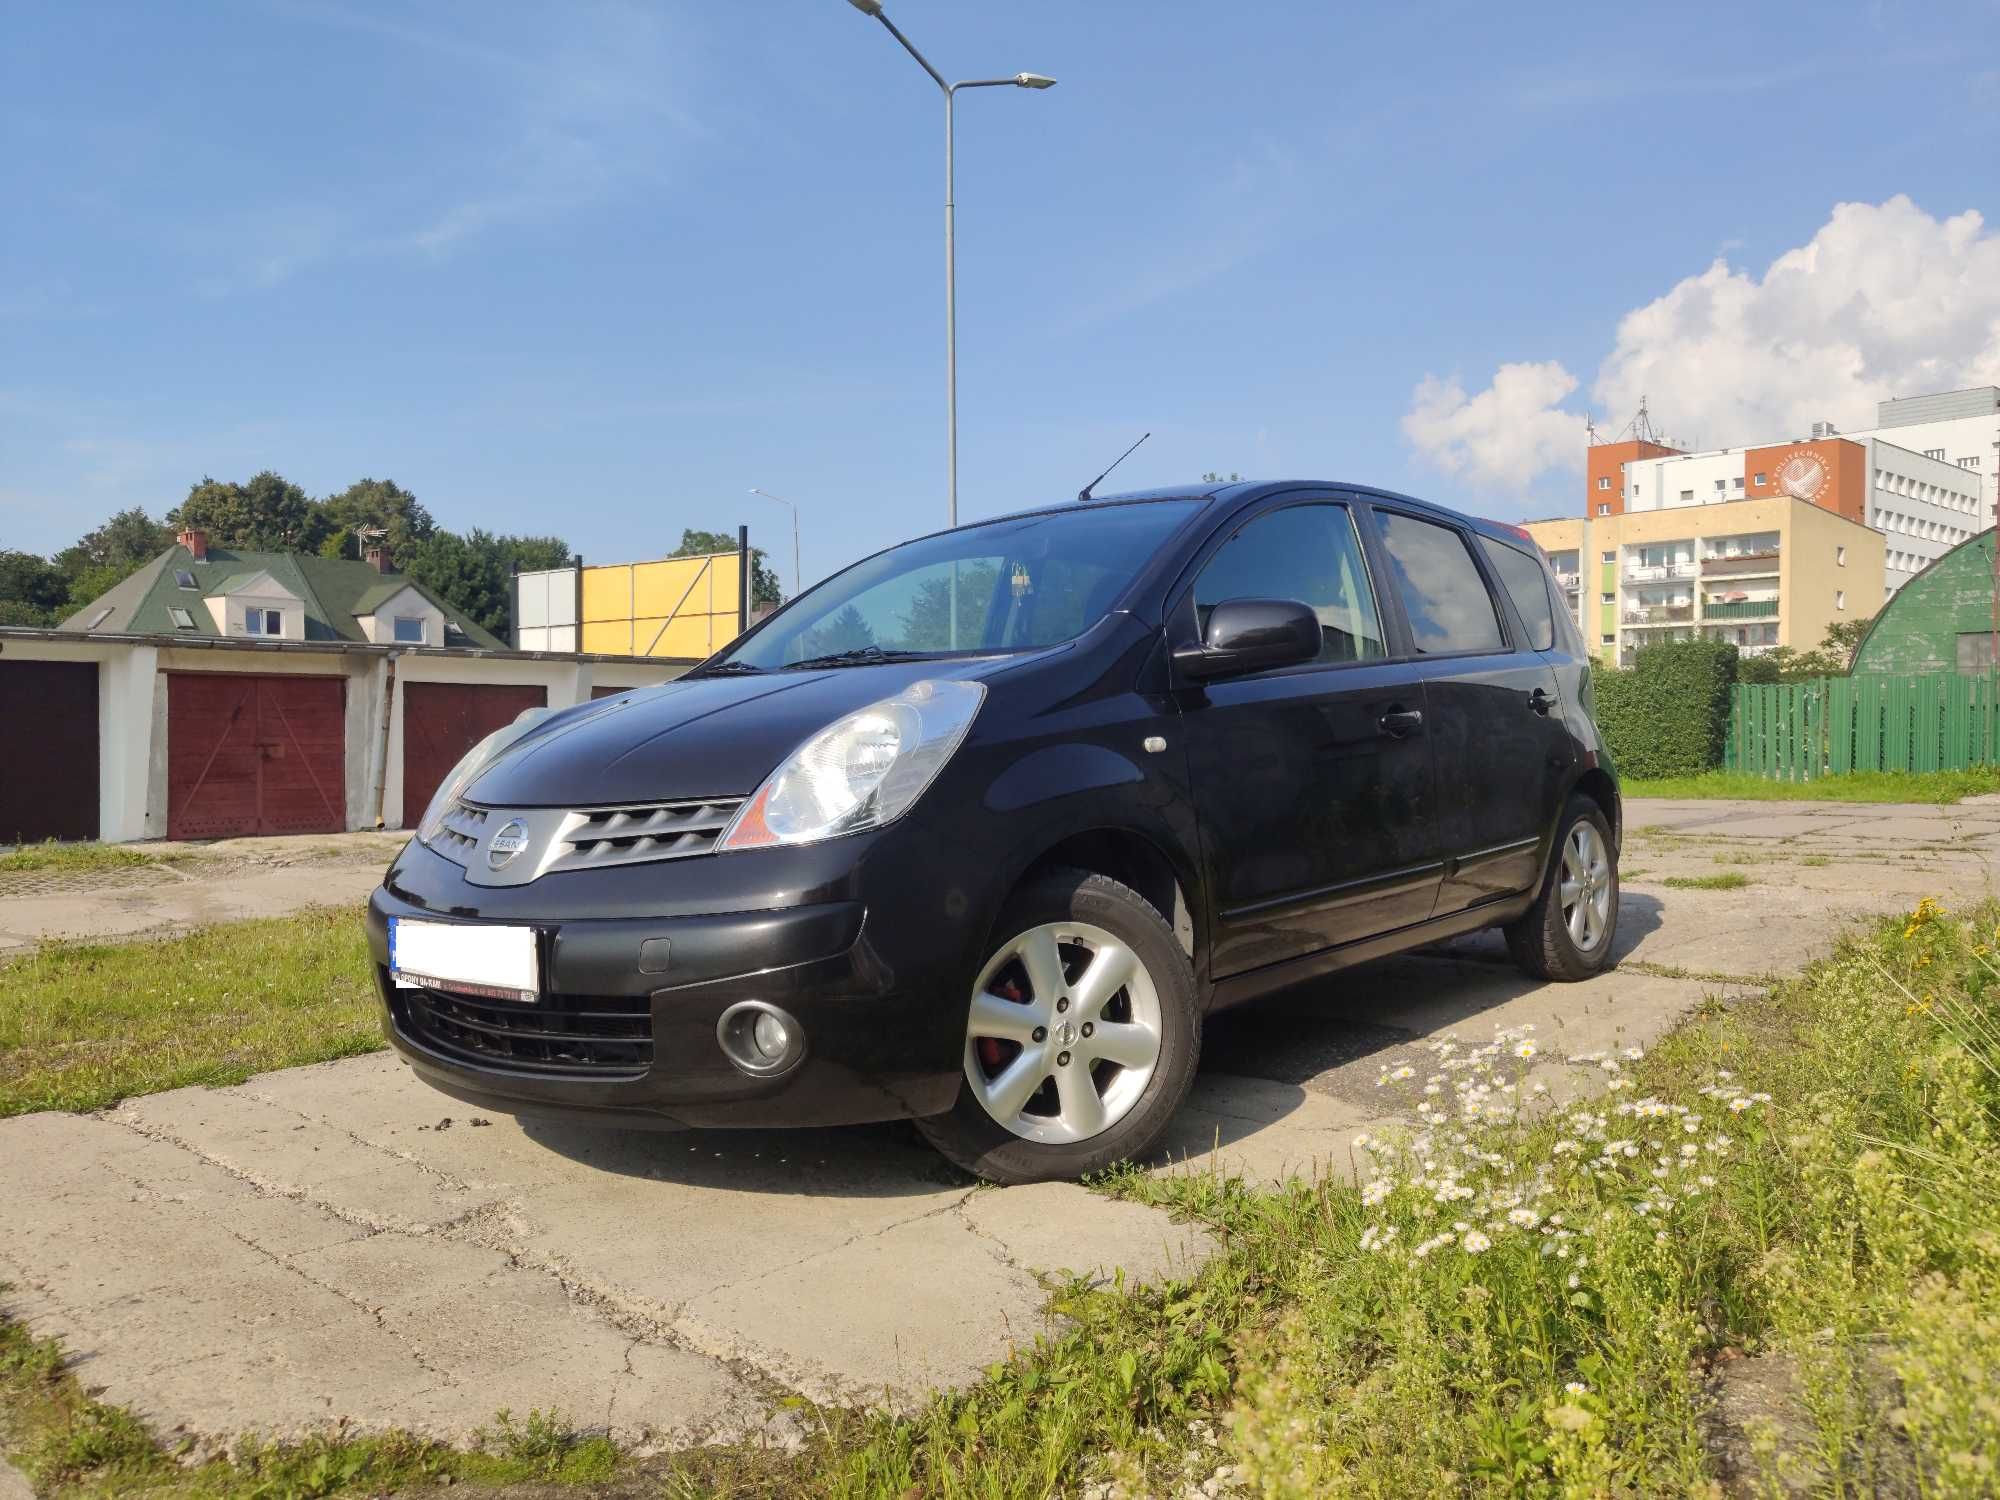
843, 937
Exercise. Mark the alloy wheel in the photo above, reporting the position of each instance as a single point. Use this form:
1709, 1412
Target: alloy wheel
1586, 886
1064, 1032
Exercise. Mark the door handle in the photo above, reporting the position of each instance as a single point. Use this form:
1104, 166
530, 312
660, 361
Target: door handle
1540, 701
1400, 723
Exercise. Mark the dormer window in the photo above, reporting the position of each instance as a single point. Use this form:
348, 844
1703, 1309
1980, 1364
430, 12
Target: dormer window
410, 629
263, 622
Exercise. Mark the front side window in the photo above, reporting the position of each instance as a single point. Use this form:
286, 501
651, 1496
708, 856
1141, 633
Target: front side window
263, 622
1445, 598
1009, 585
1522, 577
410, 628
1308, 553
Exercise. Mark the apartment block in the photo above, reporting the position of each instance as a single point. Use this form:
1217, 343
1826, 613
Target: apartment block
1758, 573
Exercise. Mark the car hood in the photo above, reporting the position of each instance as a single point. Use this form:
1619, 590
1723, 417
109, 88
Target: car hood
698, 737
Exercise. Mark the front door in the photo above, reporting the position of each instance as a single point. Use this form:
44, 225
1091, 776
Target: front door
1491, 706
1313, 782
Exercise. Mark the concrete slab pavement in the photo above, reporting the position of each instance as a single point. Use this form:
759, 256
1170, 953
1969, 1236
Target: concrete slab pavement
338, 1242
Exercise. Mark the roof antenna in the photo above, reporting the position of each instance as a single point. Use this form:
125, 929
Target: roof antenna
1084, 493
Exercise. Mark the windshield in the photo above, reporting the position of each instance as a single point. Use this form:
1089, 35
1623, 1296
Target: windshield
1020, 583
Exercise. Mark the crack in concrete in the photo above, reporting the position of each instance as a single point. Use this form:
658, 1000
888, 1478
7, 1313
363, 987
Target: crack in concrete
406, 1157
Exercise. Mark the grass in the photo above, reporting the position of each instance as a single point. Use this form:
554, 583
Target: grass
1727, 880
51, 855
1516, 1301
1939, 787
85, 1025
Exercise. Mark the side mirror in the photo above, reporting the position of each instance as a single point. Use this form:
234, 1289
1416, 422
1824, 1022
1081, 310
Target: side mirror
1252, 635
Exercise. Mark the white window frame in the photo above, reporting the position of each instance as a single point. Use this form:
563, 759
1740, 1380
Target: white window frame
260, 621
421, 638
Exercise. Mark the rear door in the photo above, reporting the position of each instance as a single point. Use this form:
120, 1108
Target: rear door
1491, 706
1313, 782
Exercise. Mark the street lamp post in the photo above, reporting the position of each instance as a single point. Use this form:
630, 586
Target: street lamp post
796, 589
950, 90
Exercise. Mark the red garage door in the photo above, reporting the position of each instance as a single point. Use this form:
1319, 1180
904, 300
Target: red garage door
443, 720
48, 749
255, 755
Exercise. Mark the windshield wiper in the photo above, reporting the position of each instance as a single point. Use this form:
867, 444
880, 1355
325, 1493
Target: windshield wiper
860, 656
727, 668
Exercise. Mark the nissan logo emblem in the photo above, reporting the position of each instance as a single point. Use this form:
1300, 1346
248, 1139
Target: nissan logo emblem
509, 841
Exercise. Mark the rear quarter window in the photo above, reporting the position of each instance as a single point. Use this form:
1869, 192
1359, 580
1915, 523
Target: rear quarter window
1527, 585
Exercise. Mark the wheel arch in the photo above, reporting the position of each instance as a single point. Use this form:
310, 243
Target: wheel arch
1132, 859
1596, 784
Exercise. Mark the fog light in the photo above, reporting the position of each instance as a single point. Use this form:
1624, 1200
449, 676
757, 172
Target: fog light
759, 1038
771, 1036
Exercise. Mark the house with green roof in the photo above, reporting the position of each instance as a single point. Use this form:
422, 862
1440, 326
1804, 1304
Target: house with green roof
195, 590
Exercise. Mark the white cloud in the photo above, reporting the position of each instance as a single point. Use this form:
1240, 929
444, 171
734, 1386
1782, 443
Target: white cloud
1884, 300
1507, 434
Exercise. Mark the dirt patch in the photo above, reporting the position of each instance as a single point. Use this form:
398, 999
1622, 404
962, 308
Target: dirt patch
1764, 1439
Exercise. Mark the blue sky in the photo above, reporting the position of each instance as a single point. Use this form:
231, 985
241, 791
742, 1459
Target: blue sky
597, 270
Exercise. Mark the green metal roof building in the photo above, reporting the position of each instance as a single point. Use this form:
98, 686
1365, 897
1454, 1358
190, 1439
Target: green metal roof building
1940, 621
309, 598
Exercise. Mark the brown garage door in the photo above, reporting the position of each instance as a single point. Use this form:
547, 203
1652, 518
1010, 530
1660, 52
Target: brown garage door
48, 746
255, 755
443, 720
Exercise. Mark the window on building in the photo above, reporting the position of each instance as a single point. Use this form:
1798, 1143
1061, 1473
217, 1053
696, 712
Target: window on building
1933, 453
1528, 586
1687, 494
1758, 481
1840, 557
1604, 510
1969, 463
263, 622
1611, 557
410, 629
1443, 595
183, 578
181, 618
1737, 482
1607, 599
1308, 553
1604, 481
1608, 639
1840, 598
1720, 486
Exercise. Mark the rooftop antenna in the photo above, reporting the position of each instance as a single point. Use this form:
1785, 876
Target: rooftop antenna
1084, 493
366, 534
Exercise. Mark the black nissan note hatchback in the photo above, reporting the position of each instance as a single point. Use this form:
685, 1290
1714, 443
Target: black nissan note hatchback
979, 830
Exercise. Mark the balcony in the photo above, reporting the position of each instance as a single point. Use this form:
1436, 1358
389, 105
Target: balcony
1660, 614
1570, 582
1742, 562
1740, 609
1637, 573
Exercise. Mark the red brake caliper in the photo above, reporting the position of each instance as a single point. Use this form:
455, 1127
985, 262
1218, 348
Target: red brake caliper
993, 1051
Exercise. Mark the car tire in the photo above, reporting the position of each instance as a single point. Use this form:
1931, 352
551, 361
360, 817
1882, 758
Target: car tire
1103, 921
1549, 940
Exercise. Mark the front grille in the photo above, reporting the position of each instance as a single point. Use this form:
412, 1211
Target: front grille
630, 835
464, 826
596, 1036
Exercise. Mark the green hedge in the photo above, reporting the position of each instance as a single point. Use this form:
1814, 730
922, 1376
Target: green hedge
1668, 714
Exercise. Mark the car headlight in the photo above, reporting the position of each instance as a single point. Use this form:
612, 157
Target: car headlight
475, 760
861, 771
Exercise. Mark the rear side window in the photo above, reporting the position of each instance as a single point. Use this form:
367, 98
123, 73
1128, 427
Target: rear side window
1444, 596
1308, 553
1522, 577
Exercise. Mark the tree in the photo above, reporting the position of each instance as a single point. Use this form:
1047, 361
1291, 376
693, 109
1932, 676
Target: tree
267, 514
126, 540
34, 589
1832, 657
926, 623
465, 572
375, 504
846, 631
764, 586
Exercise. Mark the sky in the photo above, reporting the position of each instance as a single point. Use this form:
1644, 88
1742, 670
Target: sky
598, 269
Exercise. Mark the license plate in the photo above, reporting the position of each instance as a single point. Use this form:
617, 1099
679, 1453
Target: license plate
500, 963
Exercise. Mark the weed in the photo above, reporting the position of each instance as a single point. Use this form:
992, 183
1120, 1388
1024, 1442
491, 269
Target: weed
50, 855
1941, 788
1727, 880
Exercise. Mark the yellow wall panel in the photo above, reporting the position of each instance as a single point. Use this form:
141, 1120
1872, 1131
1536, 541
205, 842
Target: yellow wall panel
688, 635
607, 593
611, 636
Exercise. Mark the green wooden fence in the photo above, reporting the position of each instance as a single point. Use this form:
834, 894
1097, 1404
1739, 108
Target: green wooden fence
1798, 731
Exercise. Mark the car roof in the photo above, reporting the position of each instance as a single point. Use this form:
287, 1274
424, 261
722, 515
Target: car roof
1245, 492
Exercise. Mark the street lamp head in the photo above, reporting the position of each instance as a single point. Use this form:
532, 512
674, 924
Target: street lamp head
1021, 80
867, 7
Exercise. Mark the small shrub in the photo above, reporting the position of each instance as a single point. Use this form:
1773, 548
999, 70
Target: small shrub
1728, 880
